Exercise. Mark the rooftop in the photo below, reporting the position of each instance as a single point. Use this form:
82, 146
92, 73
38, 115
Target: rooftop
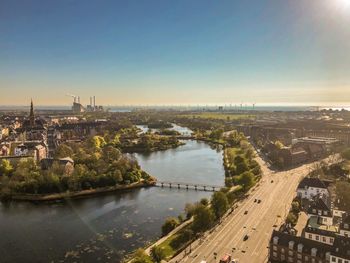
311, 182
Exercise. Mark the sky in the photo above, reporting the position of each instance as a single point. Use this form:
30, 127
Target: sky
175, 52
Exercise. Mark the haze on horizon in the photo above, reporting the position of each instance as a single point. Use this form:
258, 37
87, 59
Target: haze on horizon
175, 52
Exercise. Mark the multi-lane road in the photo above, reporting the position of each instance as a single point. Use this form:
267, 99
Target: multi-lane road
276, 191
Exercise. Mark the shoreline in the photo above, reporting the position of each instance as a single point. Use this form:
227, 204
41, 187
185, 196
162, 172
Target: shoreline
60, 197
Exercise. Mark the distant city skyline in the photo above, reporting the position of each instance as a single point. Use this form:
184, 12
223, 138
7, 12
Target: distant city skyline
175, 53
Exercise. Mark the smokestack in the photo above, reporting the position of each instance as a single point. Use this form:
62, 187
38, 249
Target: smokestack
94, 101
91, 101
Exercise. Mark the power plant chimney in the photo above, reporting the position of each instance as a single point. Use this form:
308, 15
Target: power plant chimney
94, 102
91, 101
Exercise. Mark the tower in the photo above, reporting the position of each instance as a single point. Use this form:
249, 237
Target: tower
31, 114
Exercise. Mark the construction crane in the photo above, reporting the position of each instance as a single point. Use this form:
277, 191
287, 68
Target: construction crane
76, 98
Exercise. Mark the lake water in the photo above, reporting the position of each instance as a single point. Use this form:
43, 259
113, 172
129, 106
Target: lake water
104, 228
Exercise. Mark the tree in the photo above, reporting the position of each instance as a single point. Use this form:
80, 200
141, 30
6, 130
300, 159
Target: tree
204, 201
249, 153
110, 153
97, 142
140, 256
5, 167
242, 167
238, 159
279, 145
189, 210
295, 207
170, 224
216, 134
246, 180
343, 196
219, 204
63, 150
292, 219
346, 154
157, 253
203, 219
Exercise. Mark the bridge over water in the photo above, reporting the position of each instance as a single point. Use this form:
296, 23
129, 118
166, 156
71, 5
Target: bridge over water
187, 186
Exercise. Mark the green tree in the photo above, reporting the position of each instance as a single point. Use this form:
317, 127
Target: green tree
63, 151
292, 219
6, 167
295, 207
204, 201
242, 167
203, 219
346, 154
157, 254
110, 153
97, 142
170, 224
219, 204
189, 210
246, 180
343, 196
279, 144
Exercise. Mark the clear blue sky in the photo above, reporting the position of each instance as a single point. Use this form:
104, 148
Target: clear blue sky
175, 52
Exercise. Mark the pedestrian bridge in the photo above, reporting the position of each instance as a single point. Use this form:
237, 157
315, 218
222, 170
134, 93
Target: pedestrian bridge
189, 186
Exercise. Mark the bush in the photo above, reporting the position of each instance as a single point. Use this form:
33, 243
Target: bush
170, 224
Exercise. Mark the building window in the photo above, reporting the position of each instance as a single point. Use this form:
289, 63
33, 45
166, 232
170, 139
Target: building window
300, 256
310, 236
274, 254
290, 259
340, 260
290, 253
331, 239
274, 248
324, 239
317, 237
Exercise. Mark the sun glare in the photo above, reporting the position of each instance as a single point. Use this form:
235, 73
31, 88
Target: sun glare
343, 3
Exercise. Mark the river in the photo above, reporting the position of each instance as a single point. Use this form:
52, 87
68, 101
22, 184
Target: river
104, 228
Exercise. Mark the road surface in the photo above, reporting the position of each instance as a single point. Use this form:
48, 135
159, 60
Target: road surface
258, 223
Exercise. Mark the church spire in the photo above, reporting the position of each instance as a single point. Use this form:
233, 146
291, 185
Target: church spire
31, 115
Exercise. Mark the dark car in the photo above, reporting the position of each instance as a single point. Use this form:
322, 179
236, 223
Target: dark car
246, 212
255, 200
259, 201
245, 238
